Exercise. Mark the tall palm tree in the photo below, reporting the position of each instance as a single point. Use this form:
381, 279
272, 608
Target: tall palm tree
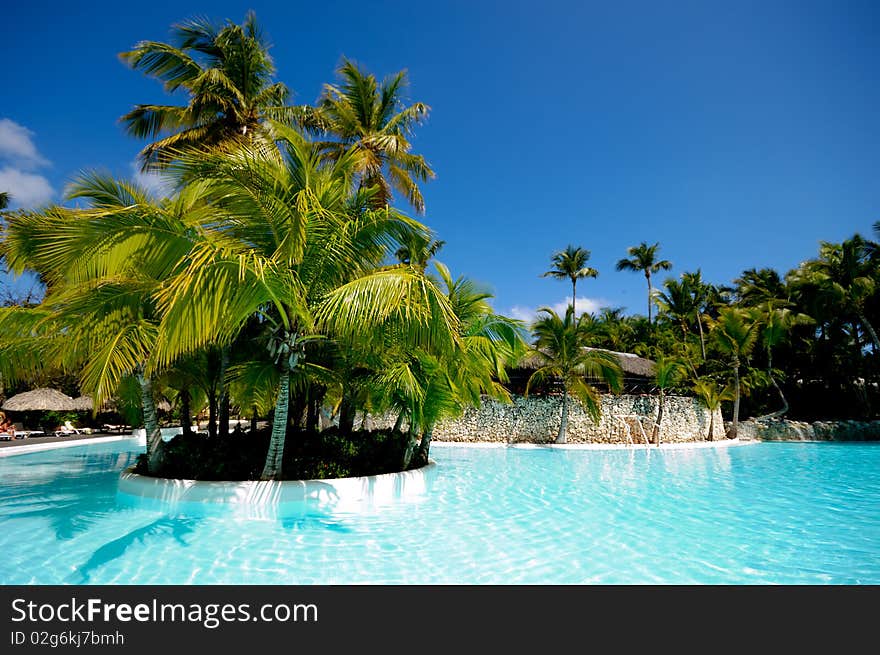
373, 120
293, 242
226, 72
644, 258
669, 372
571, 263
560, 346
734, 334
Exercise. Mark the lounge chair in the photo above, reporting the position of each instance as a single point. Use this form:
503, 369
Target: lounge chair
67, 429
20, 433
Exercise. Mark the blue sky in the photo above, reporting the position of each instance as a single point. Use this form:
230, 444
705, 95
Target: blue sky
737, 134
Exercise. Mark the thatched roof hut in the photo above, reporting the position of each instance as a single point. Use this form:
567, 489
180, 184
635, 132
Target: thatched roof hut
39, 400
632, 365
638, 372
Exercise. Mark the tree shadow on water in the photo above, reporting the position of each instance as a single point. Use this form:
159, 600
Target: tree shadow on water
175, 528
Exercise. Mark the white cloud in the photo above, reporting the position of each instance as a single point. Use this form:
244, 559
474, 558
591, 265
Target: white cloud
17, 147
19, 156
529, 314
155, 183
25, 189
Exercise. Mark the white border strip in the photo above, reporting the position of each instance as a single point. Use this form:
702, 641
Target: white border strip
38, 447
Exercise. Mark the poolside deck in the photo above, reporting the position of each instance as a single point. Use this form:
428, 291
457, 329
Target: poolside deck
32, 441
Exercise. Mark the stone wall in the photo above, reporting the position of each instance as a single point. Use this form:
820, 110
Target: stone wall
536, 420
785, 430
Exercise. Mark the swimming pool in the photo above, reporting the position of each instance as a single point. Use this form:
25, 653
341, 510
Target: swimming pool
766, 513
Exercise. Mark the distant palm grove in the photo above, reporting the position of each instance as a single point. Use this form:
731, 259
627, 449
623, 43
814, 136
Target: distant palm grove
278, 280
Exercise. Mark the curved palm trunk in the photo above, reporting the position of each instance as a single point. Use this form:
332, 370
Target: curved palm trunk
702, 336
398, 424
734, 427
155, 445
272, 467
656, 436
562, 436
784, 409
650, 293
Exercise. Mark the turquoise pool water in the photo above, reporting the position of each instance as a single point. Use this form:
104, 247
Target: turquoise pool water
767, 513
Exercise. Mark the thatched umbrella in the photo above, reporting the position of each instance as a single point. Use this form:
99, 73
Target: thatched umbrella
82, 404
39, 400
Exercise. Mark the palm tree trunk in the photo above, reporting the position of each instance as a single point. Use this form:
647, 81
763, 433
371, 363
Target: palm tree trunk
702, 337
254, 420
734, 427
272, 467
155, 445
212, 413
185, 412
574, 284
398, 423
562, 437
425, 445
408, 451
223, 400
870, 328
650, 293
711, 436
656, 436
346, 414
784, 409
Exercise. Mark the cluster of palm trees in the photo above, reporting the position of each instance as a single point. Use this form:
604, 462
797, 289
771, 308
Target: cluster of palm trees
808, 334
267, 279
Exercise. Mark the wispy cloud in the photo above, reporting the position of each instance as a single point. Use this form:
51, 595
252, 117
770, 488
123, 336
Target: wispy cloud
529, 314
25, 189
155, 183
18, 158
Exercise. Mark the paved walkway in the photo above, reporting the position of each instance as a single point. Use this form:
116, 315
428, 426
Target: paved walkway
32, 441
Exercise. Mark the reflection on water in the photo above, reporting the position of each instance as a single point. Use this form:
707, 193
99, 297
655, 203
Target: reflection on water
164, 528
770, 513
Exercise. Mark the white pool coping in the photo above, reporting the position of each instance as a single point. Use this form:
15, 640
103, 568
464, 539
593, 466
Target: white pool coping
268, 499
24, 449
683, 445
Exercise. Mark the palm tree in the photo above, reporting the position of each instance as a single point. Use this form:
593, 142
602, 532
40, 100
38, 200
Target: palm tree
571, 263
734, 334
418, 250
226, 72
292, 242
669, 372
644, 258
844, 279
373, 120
102, 266
559, 345
708, 392
777, 318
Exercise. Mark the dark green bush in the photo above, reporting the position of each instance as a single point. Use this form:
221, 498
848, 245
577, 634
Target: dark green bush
307, 456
